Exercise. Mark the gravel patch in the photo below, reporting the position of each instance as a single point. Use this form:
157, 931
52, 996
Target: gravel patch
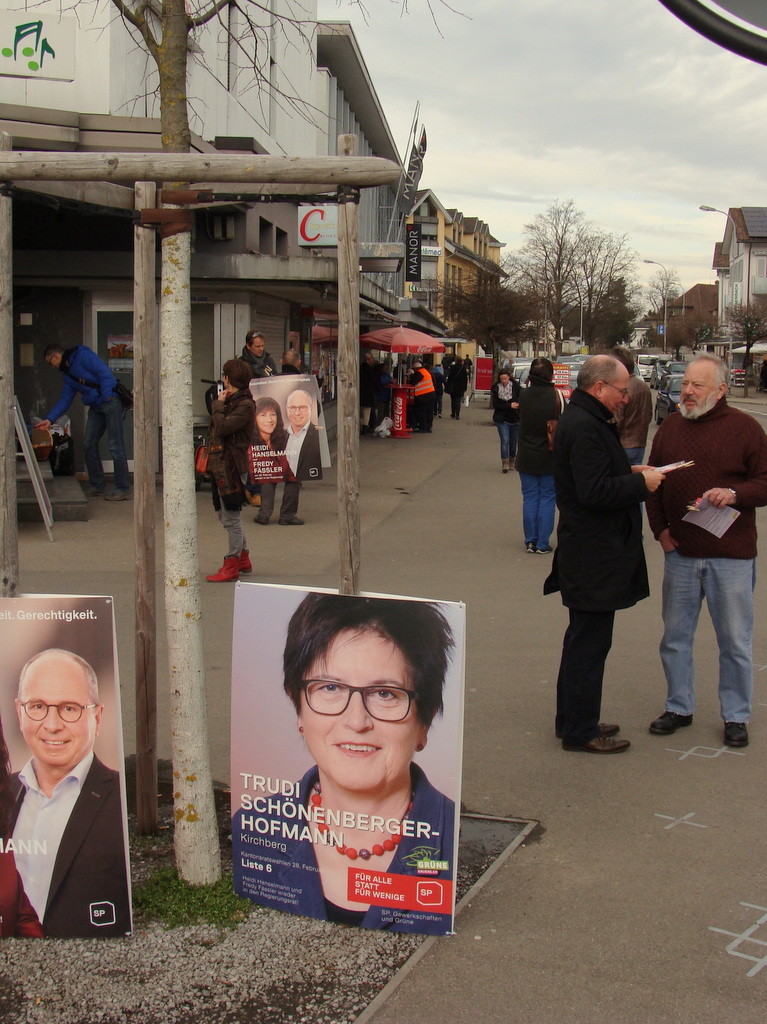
272, 968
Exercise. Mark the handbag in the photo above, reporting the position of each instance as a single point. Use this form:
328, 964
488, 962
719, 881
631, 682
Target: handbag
201, 459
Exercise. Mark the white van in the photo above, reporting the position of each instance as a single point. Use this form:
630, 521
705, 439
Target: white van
645, 363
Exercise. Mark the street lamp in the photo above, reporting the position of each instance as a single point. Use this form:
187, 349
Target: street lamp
722, 302
665, 300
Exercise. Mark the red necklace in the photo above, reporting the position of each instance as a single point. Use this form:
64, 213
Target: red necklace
348, 851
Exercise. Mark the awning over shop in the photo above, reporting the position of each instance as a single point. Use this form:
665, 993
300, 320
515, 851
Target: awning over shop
401, 339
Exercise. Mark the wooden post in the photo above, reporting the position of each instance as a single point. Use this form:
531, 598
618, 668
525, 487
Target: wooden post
145, 381
348, 382
9, 529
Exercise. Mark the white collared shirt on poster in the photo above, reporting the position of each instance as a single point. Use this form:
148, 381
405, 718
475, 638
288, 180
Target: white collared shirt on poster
40, 826
293, 447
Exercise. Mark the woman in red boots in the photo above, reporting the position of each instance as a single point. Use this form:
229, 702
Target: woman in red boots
233, 417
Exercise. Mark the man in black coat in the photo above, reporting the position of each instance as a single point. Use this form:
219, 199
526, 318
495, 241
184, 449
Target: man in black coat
68, 820
599, 564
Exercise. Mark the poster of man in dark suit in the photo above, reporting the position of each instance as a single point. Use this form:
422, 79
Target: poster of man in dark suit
68, 830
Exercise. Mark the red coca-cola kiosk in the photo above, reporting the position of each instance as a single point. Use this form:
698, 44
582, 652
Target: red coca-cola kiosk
401, 394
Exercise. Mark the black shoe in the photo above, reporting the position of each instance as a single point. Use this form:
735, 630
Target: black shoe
530, 548
735, 734
543, 551
261, 520
292, 521
669, 722
604, 730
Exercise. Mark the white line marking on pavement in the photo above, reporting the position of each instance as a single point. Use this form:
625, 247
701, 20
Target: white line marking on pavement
684, 820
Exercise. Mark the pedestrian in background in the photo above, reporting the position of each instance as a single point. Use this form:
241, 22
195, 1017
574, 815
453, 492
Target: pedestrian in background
539, 403
504, 396
438, 376
255, 355
90, 377
291, 361
599, 565
367, 392
456, 384
233, 416
423, 397
634, 417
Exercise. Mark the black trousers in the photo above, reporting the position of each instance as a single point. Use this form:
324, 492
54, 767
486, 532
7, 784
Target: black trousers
455, 405
424, 411
587, 643
289, 507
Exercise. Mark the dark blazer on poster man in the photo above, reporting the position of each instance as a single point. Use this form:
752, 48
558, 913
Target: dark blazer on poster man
90, 863
309, 465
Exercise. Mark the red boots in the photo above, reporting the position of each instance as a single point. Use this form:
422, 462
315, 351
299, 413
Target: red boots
228, 572
232, 567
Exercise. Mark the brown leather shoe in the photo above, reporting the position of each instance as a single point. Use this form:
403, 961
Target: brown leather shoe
604, 730
599, 745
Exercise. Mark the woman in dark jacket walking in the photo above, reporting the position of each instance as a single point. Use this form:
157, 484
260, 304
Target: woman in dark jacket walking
538, 403
233, 417
504, 396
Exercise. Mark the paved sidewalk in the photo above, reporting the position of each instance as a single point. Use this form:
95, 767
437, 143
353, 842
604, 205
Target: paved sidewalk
609, 915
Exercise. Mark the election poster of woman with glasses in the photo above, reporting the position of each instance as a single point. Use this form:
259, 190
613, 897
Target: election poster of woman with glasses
66, 824
346, 755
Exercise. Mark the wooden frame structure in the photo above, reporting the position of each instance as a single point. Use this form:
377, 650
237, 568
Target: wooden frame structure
347, 173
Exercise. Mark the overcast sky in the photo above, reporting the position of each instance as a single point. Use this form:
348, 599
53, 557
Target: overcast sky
612, 103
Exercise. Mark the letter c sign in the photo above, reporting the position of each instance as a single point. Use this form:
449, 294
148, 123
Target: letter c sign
305, 229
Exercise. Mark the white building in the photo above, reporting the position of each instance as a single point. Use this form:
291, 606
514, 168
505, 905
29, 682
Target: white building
74, 77
740, 259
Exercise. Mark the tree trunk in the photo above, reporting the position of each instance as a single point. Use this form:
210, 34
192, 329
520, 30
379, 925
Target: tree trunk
196, 839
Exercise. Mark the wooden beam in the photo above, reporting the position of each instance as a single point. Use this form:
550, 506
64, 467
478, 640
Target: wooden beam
97, 193
9, 530
146, 373
348, 387
132, 167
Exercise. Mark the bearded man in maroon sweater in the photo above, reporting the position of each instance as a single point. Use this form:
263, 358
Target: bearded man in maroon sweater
729, 451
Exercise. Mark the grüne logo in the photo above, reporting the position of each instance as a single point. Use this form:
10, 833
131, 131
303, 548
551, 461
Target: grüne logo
31, 30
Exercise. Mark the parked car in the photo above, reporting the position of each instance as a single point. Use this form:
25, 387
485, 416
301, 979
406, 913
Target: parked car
671, 370
669, 397
520, 366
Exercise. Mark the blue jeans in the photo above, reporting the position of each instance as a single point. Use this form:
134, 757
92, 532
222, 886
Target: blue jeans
508, 434
539, 501
635, 456
106, 418
728, 586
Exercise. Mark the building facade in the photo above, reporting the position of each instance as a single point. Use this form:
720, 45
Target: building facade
270, 86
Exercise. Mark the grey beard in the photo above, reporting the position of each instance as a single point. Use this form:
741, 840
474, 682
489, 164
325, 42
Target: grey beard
699, 410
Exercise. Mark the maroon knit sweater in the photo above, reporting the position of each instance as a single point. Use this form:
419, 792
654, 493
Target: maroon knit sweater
729, 449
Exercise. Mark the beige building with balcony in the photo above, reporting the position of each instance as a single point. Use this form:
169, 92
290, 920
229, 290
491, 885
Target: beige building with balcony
454, 249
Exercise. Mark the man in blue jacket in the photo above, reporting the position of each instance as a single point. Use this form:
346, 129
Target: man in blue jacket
90, 377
